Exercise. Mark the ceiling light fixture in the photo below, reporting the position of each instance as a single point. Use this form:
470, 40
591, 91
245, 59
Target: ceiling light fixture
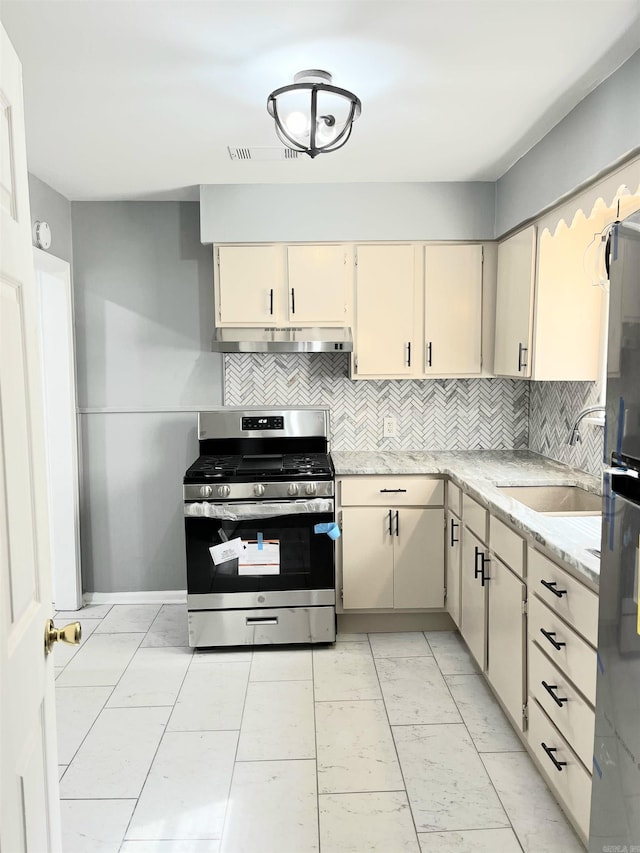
312, 115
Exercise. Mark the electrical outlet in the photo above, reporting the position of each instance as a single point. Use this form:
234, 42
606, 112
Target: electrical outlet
389, 428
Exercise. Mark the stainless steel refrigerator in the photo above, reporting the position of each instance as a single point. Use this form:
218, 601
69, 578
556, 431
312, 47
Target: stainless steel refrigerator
615, 799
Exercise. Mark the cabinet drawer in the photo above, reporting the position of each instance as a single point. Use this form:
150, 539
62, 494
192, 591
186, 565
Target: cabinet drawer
507, 544
474, 516
574, 717
576, 659
572, 782
577, 604
391, 491
454, 496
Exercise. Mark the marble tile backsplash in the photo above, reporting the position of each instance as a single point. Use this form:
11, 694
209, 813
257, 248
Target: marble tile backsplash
553, 407
436, 414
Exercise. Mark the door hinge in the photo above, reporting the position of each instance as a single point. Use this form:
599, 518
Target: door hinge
525, 607
342, 594
356, 363
525, 712
355, 258
218, 256
482, 253
445, 594
340, 521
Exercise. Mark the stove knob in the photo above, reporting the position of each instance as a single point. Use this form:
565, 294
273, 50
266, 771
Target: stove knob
258, 490
206, 491
293, 489
224, 491
310, 488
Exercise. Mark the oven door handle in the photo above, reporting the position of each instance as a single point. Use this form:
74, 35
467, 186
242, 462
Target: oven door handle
255, 510
261, 620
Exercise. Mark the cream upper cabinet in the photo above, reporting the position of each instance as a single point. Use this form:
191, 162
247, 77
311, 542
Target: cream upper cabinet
250, 282
317, 283
385, 310
514, 304
453, 309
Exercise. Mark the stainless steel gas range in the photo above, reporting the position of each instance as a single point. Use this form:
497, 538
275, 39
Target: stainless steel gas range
260, 529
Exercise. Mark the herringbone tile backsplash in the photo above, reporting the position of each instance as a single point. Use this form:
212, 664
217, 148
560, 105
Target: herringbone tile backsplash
433, 414
553, 408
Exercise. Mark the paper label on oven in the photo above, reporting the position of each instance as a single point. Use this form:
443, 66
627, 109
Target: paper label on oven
231, 550
260, 557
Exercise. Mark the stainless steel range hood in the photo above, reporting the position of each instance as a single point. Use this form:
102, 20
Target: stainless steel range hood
315, 339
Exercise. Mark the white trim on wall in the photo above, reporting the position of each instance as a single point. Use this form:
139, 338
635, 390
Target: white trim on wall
161, 596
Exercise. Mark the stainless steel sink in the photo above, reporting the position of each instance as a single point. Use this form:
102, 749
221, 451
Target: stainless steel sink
555, 500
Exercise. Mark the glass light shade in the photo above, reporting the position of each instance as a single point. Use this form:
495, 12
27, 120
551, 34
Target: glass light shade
312, 115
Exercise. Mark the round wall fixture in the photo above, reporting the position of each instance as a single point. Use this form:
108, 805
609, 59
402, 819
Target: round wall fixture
42, 234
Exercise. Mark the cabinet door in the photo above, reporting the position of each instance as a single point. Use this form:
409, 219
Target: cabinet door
385, 295
473, 597
453, 550
367, 558
317, 284
453, 309
514, 304
251, 284
507, 638
418, 567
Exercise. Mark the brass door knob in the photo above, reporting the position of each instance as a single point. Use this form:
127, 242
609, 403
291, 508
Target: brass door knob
70, 634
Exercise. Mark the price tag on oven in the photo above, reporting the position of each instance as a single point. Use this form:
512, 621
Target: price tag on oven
231, 550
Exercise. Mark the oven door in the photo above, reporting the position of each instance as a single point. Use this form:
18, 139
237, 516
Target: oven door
282, 550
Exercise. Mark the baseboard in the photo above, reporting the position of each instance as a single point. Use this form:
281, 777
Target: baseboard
354, 623
160, 596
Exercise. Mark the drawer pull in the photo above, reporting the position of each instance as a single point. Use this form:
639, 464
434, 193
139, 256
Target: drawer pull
549, 750
550, 688
550, 635
397, 523
551, 586
453, 526
261, 620
391, 491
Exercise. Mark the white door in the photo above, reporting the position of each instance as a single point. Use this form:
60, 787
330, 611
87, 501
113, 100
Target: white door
385, 297
317, 284
453, 309
29, 811
514, 304
250, 284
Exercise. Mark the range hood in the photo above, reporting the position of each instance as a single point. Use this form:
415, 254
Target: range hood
272, 339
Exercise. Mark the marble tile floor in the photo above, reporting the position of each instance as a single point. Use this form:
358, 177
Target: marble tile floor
390, 743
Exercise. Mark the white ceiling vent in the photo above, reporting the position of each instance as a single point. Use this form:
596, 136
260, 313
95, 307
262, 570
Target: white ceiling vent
256, 153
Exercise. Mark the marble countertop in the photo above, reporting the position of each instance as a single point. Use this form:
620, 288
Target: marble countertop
480, 472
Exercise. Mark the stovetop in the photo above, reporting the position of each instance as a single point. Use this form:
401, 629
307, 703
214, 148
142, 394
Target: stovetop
255, 467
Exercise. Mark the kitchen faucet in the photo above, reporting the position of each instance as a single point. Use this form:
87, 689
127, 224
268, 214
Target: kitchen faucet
574, 435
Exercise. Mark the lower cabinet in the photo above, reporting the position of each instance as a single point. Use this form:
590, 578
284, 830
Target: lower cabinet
392, 558
473, 596
507, 639
453, 551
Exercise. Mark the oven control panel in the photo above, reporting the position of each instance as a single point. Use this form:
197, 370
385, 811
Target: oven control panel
265, 422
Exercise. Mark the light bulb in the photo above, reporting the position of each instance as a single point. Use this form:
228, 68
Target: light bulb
297, 124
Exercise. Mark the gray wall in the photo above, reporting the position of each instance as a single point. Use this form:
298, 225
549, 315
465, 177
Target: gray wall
248, 213
48, 205
144, 318
603, 128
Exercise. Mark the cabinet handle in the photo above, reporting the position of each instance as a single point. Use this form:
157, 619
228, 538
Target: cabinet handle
453, 540
429, 352
479, 572
550, 688
390, 523
476, 571
293, 300
408, 353
392, 491
550, 635
271, 301
521, 362
551, 749
397, 523
261, 620
551, 586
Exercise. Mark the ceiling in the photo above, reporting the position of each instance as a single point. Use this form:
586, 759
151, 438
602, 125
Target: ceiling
141, 99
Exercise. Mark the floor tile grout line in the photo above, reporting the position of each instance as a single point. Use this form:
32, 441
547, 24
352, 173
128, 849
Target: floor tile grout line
91, 727
235, 755
502, 805
315, 734
395, 745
